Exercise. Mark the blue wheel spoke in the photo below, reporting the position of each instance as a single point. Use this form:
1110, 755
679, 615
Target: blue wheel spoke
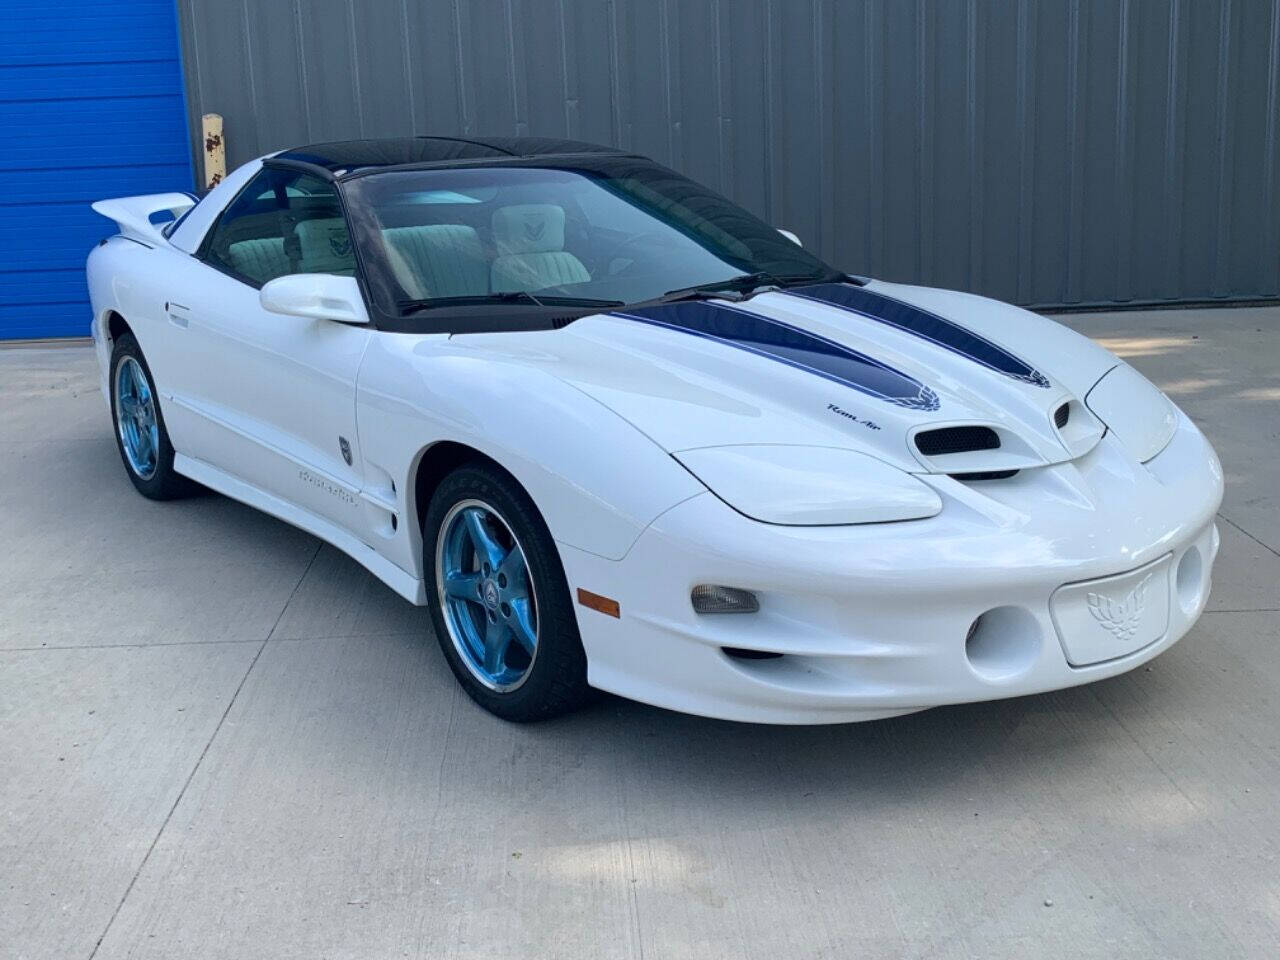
522, 624
463, 586
496, 640
489, 549
513, 568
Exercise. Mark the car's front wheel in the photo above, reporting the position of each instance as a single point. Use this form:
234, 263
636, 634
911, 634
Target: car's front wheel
501, 604
139, 426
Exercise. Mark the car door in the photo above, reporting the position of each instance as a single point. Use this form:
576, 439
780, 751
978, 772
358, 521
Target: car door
268, 398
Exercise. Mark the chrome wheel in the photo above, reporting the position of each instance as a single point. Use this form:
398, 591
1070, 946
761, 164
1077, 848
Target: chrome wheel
135, 409
486, 595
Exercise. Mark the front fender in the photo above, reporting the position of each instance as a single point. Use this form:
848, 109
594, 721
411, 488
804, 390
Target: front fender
598, 481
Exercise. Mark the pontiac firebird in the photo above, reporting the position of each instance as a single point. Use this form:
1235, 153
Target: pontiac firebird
616, 432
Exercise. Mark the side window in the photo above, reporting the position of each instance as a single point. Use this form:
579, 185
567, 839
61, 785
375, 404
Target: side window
282, 222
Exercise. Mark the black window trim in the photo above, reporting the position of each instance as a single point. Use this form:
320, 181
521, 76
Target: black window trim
206, 242
542, 160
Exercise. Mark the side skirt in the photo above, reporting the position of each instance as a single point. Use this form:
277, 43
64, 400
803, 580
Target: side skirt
402, 582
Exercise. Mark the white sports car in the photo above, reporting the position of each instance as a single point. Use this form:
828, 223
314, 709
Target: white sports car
617, 432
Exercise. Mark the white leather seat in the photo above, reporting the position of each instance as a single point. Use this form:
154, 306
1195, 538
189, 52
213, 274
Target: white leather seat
531, 254
324, 246
438, 260
259, 260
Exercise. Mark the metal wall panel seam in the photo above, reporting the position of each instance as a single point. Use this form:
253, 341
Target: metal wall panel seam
1025, 112
1125, 126
1271, 203
1222, 244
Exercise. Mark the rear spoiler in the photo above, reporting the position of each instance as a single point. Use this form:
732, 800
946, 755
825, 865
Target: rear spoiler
133, 214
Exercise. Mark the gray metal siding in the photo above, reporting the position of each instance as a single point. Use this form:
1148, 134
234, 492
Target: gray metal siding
1048, 153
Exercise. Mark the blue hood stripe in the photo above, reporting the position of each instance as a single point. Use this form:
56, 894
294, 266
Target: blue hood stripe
784, 343
923, 324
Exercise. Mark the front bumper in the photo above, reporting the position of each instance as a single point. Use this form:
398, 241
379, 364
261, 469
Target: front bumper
875, 620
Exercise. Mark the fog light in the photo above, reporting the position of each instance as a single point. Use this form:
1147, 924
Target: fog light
712, 598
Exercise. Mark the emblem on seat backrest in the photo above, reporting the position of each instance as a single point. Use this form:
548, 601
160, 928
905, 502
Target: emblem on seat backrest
1121, 617
534, 228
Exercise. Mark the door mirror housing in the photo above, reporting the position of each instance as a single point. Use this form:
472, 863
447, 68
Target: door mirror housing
315, 296
791, 236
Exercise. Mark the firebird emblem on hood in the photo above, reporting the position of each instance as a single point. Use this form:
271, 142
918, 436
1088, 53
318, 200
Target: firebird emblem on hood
1121, 617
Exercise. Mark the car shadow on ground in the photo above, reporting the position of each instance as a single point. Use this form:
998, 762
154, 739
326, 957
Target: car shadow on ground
1016, 743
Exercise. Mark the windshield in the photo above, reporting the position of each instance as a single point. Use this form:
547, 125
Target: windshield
606, 232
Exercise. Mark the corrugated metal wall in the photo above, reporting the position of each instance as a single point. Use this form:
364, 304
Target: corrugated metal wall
1055, 152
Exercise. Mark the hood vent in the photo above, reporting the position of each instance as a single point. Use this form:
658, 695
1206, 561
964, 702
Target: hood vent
945, 440
984, 475
1062, 415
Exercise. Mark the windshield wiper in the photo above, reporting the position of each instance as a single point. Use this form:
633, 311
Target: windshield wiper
579, 301
744, 283
430, 303
407, 307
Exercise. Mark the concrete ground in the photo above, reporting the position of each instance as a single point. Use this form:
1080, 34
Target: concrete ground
221, 739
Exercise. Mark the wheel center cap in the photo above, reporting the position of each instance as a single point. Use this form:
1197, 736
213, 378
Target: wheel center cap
490, 593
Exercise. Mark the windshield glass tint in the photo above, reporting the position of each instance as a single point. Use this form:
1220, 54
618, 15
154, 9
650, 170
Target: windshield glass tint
617, 229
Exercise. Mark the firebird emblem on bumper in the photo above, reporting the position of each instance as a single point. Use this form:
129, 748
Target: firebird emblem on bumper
1121, 617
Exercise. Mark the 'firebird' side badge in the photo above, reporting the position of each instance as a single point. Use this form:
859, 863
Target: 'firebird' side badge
346, 449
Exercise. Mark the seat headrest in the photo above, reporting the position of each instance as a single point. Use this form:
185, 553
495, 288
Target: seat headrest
324, 246
528, 228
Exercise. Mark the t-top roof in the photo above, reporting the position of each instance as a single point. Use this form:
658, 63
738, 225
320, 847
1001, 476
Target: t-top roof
347, 155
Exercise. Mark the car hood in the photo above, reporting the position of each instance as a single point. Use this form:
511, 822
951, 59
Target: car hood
866, 368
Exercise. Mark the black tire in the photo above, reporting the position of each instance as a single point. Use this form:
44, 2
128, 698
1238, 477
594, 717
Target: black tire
555, 681
162, 483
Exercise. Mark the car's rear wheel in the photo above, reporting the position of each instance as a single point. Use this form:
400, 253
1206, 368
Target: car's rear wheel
501, 604
139, 426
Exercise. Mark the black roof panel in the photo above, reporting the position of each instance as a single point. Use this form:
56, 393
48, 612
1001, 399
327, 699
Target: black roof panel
347, 155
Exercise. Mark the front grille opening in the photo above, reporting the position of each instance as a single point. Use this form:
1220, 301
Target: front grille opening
944, 440
1062, 415
739, 653
983, 475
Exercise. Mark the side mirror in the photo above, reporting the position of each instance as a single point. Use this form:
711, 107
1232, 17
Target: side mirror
791, 236
315, 296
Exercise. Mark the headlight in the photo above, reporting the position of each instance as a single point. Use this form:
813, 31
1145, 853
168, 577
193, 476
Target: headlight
1133, 408
810, 486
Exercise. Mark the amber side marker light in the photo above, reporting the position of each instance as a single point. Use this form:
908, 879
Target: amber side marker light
598, 603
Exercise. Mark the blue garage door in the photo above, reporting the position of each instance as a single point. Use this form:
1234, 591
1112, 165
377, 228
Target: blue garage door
91, 106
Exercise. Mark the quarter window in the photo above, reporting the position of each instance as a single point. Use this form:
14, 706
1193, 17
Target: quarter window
282, 222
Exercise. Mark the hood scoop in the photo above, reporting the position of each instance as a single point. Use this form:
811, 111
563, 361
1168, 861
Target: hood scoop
947, 440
